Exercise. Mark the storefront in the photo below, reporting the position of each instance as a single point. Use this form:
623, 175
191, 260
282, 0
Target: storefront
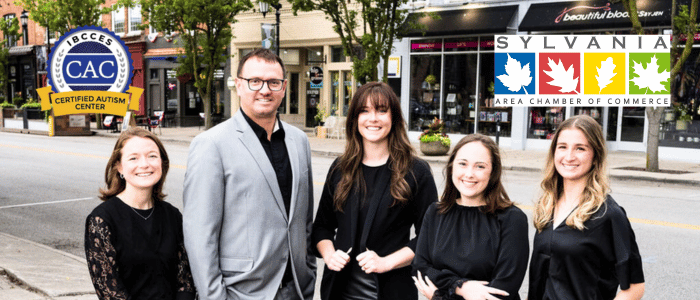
457, 50
318, 73
176, 95
22, 73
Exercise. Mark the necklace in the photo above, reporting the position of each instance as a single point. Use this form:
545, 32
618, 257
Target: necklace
140, 215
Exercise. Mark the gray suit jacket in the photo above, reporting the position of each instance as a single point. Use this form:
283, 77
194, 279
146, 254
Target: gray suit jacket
237, 233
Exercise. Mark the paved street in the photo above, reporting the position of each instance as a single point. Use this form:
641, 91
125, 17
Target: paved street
49, 185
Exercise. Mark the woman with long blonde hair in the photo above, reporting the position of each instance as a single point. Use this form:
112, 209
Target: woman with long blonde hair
584, 247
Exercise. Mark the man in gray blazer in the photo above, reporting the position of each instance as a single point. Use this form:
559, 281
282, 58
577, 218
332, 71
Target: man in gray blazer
248, 199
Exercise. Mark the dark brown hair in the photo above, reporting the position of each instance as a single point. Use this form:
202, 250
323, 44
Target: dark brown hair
495, 194
116, 185
401, 152
265, 55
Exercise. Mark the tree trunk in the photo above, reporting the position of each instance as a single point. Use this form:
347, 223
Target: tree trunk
207, 110
654, 115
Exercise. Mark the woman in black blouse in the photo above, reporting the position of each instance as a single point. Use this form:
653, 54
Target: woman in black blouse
584, 247
473, 243
374, 193
133, 240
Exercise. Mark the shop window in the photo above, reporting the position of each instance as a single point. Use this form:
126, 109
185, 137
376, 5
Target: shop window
135, 20
490, 117
314, 56
543, 121
594, 112
612, 124
335, 92
459, 93
632, 124
10, 41
680, 125
347, 91
171, 85
424, 103
337, 54
293, 88
118, 21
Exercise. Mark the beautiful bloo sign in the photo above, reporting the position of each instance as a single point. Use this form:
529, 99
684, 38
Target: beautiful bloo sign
89, 71
582, 70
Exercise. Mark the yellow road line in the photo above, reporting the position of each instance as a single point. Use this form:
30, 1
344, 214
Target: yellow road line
525, 207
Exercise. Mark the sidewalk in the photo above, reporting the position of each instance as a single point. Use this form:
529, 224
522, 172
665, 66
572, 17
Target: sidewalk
32, 271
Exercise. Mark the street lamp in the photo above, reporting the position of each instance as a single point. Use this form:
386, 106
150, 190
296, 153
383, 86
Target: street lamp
24, 18
264, 7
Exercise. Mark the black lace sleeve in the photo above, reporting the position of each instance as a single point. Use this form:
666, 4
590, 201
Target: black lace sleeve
185, 283
100, 254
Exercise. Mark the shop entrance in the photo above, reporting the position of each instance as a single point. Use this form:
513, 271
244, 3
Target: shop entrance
626, 128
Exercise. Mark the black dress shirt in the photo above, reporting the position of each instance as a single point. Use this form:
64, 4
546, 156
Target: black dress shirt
276, 151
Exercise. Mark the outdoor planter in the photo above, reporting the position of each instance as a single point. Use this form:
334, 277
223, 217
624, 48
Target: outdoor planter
434, 148
8, 113
34, 113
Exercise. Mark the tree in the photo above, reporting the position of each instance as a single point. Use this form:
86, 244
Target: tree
63, 15
683, 24
204, 28
10, 31
367, 30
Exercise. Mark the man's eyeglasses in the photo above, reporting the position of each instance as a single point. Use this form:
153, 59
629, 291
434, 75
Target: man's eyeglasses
256, 84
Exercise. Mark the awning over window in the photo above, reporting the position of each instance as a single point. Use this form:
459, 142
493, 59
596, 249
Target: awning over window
21, 50
594, 14
164, 52
467, 21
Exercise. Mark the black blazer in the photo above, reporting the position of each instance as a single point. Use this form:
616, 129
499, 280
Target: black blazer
387, 228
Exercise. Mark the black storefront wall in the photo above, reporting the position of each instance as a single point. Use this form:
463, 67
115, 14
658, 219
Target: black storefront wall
464, 21
22, 73
595, 15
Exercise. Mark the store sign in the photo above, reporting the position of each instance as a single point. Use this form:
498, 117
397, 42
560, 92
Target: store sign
89, 71
582, 70
394, 68
423, 46
316, 75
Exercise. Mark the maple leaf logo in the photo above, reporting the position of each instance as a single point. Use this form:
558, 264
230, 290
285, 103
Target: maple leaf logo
605, 73
649, 77
563, 78
516, 76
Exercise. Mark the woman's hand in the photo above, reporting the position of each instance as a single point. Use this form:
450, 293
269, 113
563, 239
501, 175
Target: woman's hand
477, 290
337, 260
427, 288
373, 263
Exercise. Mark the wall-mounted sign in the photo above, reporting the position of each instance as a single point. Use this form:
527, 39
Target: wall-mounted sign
394, 68
316, 75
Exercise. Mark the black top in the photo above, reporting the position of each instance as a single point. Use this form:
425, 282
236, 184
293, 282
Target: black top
136, 256
467, 244
588, 264
387, 227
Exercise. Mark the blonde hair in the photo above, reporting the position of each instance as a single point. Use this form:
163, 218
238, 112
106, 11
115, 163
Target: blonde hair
597, 183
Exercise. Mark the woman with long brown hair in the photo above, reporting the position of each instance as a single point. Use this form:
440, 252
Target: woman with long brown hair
584, 247
133, 240
374, 193
473, 243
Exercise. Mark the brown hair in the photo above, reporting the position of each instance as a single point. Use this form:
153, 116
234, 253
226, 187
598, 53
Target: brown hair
115, 184
495, 194
263, 54
401, 152
597, 184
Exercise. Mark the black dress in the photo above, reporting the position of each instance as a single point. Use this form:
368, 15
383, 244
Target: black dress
588, 264
135, 254
374, 223
467, 244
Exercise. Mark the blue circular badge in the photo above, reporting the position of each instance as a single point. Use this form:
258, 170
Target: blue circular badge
90, 58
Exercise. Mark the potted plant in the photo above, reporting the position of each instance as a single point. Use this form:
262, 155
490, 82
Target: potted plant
320, 119
433, 141
431, 80
8, 109
33, 109
684, 116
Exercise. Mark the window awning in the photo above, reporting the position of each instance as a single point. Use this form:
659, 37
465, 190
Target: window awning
21, 50
594, 14
164, 52
466, 21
